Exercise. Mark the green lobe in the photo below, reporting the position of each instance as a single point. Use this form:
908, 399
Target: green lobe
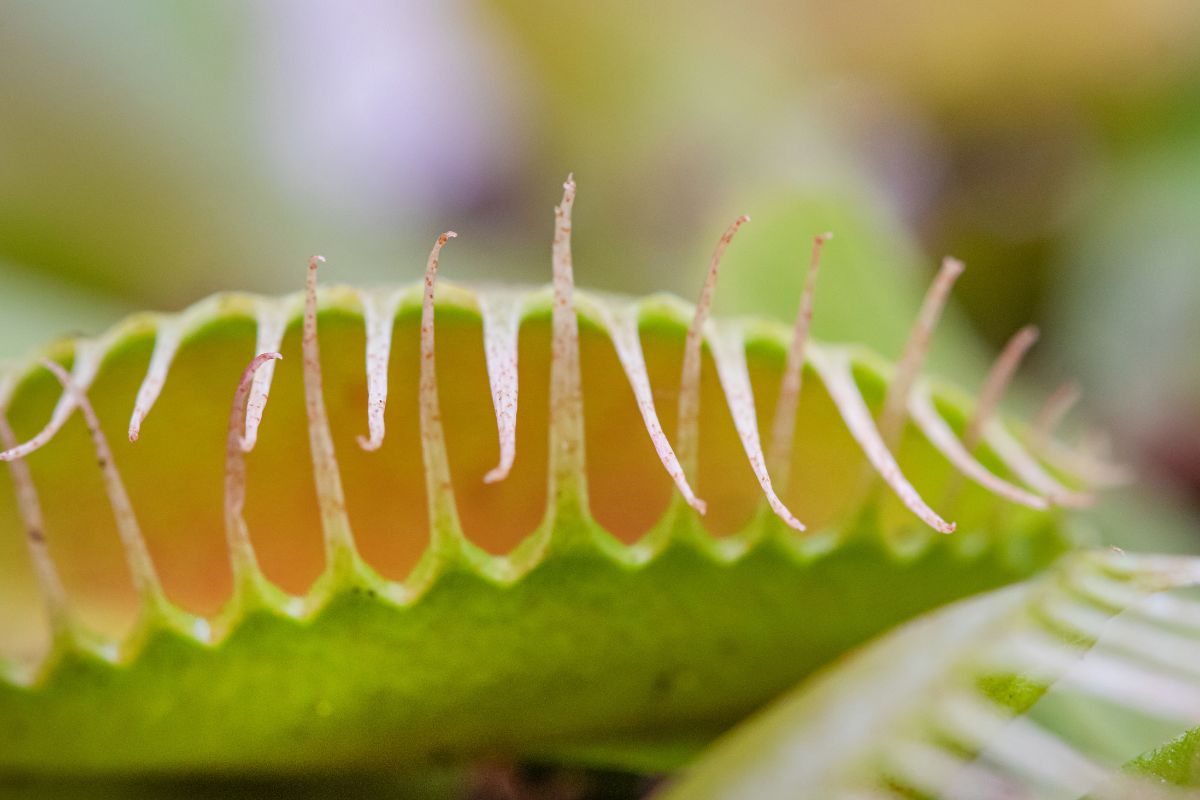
557, 645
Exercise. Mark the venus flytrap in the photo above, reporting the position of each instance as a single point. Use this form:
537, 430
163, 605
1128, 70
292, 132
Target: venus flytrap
936, 708
442, 588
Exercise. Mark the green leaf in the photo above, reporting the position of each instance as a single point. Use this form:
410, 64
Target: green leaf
1176, 763
954, 704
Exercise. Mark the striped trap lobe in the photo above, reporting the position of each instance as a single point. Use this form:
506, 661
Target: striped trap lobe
927, 710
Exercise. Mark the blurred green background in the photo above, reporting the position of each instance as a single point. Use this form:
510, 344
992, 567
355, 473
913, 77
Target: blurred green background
153, 152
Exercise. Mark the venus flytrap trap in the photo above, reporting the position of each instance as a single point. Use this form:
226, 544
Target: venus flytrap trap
442, 588
933, 709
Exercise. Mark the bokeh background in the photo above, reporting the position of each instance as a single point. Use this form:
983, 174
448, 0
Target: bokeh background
152, 152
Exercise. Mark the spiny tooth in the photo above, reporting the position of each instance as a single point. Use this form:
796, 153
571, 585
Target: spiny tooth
688, 426
835, 371
241, 551
783, 431
166, 344
30, 510
1053, 412
568, 485
1088, 461
271, 318
891, 418
730, 357
729, 350
939, 434
1087, 467
997, 381
623, 329
339, 540
378, 317
87, 362
501, 327
145, 577
443, 516
1026, 467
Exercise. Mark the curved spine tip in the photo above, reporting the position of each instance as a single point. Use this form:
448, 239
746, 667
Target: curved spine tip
378, 319
623, 330
501, 328
443, 516
166, 344
1060, 403
567, 458
997, 382
926, 416
688, 424
836, 373
783, 429
87, 362
241, 551
330, 496
891, 417
1027, 468
272, 323
990, 396
1087, 465
730, 354
145, 577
